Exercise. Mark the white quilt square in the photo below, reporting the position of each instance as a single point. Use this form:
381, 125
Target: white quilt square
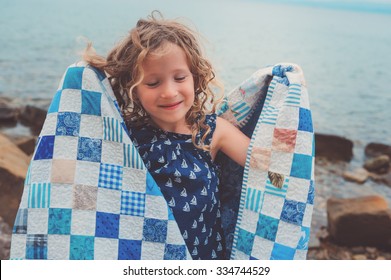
83, 222
307, 215
40, 171
108, 201
112, 153
50, 125
134, 179
91, 126
152, 250
304, 142
18, 248
257, 179
304, 99
105, 249
239, 255
70, 101
288, 118
174, 235
156, 207
131, 227
265, 134
298, 189
65, 147
249, 220
281, 162
262, 248
272, 205
58, 247
91, 81
34, 215
288, 234
61, 196
300, 255
86, 167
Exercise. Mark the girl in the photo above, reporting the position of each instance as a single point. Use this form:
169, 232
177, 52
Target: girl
163, 85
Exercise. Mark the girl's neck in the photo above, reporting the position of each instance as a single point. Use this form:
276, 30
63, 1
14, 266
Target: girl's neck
179, 129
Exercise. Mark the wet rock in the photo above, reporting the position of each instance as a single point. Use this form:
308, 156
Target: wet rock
377, 149
33, 116
363, 221
333, 147
379, 164
5, 239
360, 175
359, 257
8, 113
384, 179
13, 169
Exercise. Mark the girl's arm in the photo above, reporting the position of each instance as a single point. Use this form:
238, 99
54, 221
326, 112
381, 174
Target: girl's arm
231, 141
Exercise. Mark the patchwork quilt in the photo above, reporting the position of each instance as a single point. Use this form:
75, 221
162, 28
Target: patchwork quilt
88, 194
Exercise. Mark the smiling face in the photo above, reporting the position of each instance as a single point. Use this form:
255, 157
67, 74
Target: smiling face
167, 90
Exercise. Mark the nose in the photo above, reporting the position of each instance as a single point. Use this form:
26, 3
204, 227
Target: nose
169, 90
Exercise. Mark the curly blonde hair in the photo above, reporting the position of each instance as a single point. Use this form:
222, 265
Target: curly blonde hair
124, 68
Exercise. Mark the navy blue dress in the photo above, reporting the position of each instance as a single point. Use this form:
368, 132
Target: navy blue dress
188, 179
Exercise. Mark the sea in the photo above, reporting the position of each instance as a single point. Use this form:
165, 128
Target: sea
343, 47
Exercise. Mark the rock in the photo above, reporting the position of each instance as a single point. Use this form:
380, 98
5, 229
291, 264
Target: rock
379, 164
377, 149
5, 239
13, 168
363, 221
333, 147
8, 113
360, 175
33, 116
359, 257
25, 143
385, 178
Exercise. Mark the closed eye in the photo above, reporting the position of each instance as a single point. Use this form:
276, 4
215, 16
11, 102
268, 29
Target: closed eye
154, 84
179, 79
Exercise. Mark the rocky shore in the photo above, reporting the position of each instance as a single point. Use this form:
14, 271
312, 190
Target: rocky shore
351, 219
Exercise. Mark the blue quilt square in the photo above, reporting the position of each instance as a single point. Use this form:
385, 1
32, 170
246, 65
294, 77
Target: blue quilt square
107, 225
132, 203
152, 187
281, 252
37, 246
155, 230
305, 238
20, 224
311, 193
293, 212
45, 148
89, 149
301, 166
73, 78
110, 176
245, 241
68, 124
267, 227
129, 249
91, 102
81, 247
59, 221
305, 120
54, 105
174, 252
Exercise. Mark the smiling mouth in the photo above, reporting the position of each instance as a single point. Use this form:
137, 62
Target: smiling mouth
170, 106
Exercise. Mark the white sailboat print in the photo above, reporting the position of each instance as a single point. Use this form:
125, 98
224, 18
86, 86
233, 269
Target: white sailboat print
218, 237
203, 229
161, 159
192, 175
214, 254
173, 155
204, 192
172, 202
196, 241
184, 192
154, 139
195, 251
184, 164
186, 208
167, 142
193, 200
185, 235
194, 224
169, 183
196, 168
201, 218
